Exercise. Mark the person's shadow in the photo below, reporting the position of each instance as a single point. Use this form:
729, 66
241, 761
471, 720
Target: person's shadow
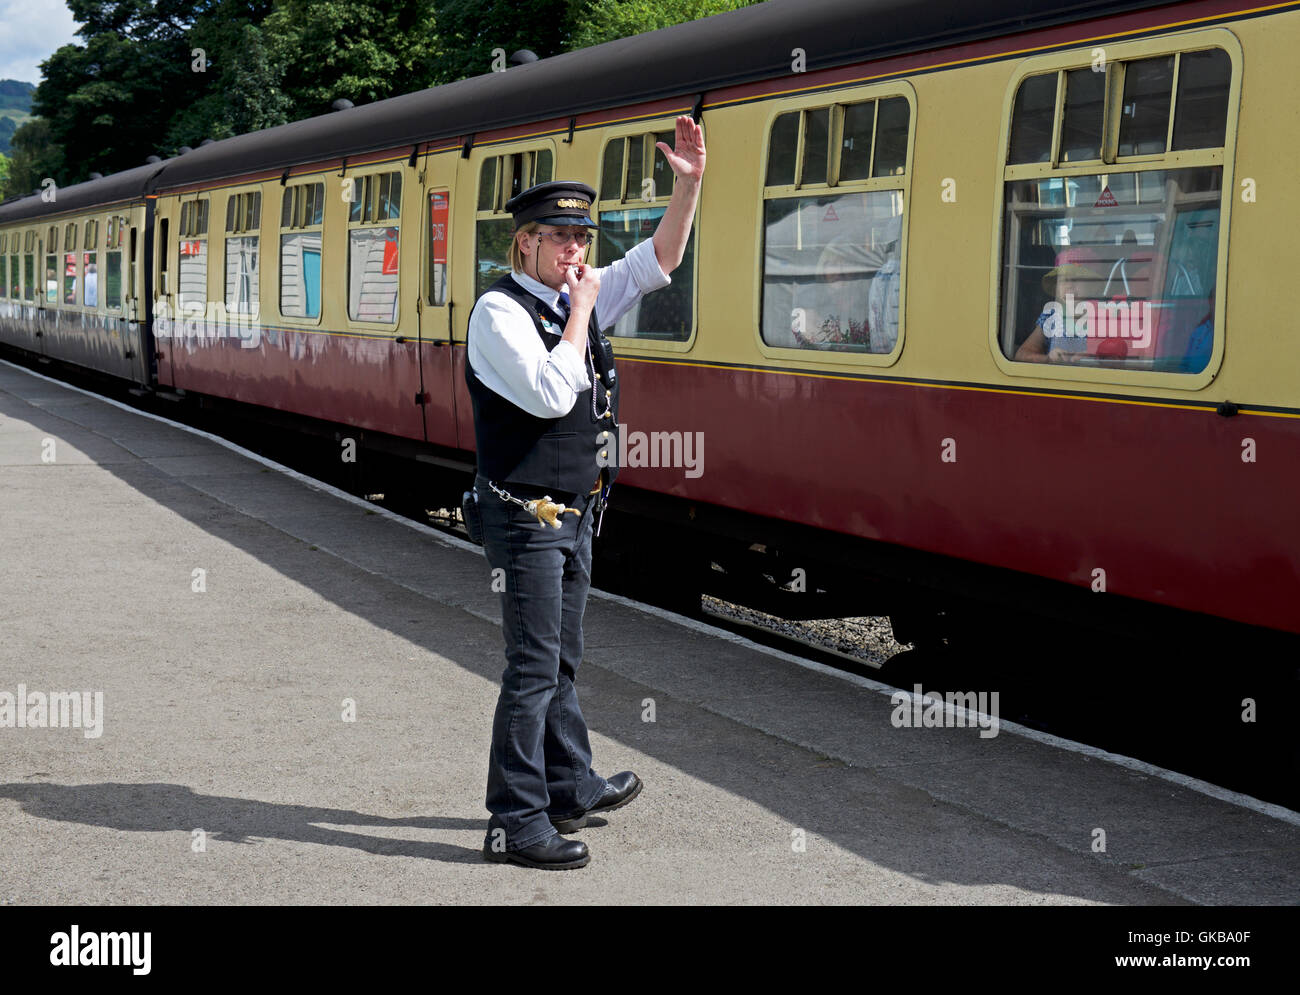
153, 808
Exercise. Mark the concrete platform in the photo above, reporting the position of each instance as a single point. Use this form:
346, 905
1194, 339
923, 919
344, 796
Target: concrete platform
223, 712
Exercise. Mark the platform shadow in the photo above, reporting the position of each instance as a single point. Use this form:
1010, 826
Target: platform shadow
159, 807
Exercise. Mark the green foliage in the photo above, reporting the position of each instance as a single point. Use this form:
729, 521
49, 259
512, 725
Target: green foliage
107, 102
605, 20
471, 29
7, 128
136, 85
34, 157
361, 50
244, 94
4, 173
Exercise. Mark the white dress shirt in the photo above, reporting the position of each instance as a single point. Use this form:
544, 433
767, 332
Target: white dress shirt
508, 356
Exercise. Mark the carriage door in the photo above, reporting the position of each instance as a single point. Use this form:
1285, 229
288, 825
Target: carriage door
437, 364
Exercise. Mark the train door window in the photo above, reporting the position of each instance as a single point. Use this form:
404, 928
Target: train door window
161, 254
243, 223
636, 185
833, 243
131, 257
302, 215
500, 178
113, 264
374, 234
439, 220
29, 267
70, 263
1114, 266
4, 265
90, 265
52, 265
192, 255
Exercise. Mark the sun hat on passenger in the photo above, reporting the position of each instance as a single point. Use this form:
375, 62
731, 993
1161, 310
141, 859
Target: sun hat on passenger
1077, 263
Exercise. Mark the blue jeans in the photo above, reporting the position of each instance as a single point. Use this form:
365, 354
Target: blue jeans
540, 764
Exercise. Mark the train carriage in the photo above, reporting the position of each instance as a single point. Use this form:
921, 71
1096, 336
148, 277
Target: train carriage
74, 265
993, 295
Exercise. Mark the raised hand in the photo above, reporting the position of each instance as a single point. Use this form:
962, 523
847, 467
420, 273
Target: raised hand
687, 159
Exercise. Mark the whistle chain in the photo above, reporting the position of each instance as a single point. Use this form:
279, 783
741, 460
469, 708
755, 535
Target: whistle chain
546, 511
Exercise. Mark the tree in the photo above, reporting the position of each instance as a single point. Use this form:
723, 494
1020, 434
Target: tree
4, 174
472, 29
108, 102
605, 20
35, 157
361, 50
7, 128
246, 94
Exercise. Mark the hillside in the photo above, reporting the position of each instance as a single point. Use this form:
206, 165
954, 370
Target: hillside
15, 108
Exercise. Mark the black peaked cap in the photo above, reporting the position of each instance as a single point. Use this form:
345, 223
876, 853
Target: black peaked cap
560, 202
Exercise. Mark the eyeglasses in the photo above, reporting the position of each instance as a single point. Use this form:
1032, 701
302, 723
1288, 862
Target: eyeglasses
565, 237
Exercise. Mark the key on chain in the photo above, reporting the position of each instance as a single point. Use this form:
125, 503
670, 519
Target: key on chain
601, 501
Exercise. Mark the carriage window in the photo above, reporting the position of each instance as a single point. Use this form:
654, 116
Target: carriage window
439, 218
500, 178
29, 266
70, 263
113, 264
1117, 268
1144, 119
640, 183
832, 253
1201, 114
1032, 120
51, 265
243, 221
69, 278
192, 276
375, 198
90, 266
373, 248
302, 213
1085, 98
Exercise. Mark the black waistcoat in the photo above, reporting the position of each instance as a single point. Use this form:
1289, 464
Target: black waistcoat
556, 454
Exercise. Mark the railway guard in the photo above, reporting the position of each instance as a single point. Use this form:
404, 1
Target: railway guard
545, 393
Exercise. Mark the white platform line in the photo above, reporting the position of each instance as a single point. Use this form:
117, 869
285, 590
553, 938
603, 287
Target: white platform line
1119, 760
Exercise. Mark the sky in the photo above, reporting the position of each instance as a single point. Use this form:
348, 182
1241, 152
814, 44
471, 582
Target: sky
30, 31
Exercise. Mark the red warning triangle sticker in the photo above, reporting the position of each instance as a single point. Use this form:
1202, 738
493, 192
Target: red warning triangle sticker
830, 214
1107, 199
